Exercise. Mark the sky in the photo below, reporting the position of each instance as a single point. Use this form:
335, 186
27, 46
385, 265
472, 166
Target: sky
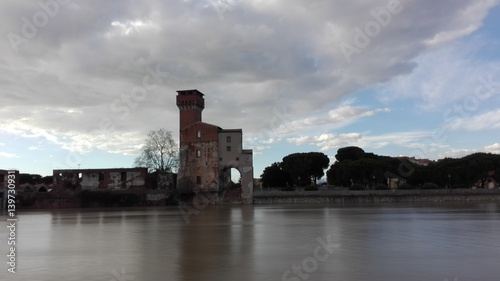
82, 82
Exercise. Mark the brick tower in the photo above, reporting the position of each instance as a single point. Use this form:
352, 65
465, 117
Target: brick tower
190, 103
207, 152
198, 152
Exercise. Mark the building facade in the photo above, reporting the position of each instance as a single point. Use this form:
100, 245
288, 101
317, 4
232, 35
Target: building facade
99, 179
208, 153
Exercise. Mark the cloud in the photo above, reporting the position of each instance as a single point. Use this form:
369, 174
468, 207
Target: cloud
461, 152
480, 122
327, 142
340, 116
8, 155
80, 68
449, 79
494, 148
468, 20
332, 142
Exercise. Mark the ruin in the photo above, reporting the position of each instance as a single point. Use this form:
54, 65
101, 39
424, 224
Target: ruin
100, 179
208, 153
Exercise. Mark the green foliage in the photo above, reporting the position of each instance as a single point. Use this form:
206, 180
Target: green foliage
429, 185
305, 168
459, 172
406, 186
25, 200
29, 178
47, 179
352, 153
365, 171
107, 199
370, 169
34, 179
357, 186
381, 186
275, 176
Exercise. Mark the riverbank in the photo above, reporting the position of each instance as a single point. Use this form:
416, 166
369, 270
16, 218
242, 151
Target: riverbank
374, 196
144, 198
91, 199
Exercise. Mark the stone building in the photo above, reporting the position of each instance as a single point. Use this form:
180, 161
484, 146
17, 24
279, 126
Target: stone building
208, 152
100, 179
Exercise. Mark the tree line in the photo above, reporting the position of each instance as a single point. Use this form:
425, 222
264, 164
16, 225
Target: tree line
297, 169
354, 166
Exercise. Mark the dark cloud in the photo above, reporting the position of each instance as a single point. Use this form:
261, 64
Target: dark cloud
249, 58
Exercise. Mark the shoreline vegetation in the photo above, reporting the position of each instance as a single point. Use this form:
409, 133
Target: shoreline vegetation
359, 170
157, 198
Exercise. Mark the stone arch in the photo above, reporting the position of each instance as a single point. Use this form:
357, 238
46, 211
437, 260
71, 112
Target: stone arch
245, 187
235, 178
231, 177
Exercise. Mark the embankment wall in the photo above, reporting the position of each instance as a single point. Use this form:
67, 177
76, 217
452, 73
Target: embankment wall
374, 196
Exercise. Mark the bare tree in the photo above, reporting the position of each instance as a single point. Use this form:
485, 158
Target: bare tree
159, 153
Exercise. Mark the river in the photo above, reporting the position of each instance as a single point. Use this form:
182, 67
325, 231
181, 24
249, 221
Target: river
376, 242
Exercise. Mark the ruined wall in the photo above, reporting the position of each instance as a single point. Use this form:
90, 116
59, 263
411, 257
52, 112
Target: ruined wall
100, 179
90, 181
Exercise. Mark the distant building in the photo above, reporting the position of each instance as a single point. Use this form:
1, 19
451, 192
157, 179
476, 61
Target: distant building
488, 182
208, 152
100, 179
413, 160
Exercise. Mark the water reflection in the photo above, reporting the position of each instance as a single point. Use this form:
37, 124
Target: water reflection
377, 242
218, 243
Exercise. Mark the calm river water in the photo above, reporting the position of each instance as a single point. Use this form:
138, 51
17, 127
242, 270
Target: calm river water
452, 241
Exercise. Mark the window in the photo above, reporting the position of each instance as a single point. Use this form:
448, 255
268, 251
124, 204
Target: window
228, 139
228, 148
198, 134
220, 159
198, 153
237, 158
198, 180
